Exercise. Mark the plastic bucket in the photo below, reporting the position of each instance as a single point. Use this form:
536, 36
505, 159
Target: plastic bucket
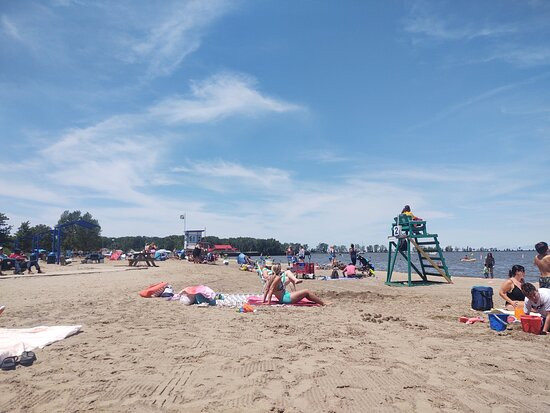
498, 322
518, 312
531, 324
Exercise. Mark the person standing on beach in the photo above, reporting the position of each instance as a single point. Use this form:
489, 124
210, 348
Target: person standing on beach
33, 262
489, 264
332, 255
197, 254
542, 261
353, 254
302, 254
289, 254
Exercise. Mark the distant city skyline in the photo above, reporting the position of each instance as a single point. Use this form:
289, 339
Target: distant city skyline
300, 121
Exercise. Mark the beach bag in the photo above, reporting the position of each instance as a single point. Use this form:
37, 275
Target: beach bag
482, 298
334, 274
168, 291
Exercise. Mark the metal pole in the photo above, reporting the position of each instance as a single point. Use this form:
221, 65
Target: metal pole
184, 232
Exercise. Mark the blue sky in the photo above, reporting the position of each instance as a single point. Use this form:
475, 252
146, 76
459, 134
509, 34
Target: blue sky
307, 121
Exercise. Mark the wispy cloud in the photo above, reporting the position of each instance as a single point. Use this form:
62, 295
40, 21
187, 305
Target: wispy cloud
9, 28
114, 159
434, 27
477, 99
222, 176
220, 96
168, 41
519, 56
326, 156
140, 39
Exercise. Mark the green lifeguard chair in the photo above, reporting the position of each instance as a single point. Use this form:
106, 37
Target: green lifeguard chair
406, 234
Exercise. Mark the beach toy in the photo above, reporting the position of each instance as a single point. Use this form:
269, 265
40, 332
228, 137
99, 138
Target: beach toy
246, 308
471, 320
498, 322
531, 324
518, 312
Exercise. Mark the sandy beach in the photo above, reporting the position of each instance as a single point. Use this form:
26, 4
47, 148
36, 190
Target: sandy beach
152, 355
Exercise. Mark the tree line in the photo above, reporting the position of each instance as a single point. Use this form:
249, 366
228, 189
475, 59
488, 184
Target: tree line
74, 237
83, 239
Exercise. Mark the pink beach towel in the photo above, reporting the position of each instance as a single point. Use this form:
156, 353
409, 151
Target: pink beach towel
200, 289
258, 300
115, 255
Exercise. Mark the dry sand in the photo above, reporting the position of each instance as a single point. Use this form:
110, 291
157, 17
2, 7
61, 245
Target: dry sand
150, 355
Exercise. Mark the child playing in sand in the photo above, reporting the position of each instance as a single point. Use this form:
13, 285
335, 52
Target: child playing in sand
277, 285
539, 301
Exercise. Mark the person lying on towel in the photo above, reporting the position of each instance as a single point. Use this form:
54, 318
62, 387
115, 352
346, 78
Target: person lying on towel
277, 285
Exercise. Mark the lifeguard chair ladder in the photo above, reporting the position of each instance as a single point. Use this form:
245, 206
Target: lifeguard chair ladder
408, 233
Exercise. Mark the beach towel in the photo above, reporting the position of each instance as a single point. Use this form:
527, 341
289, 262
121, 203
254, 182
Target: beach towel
258, 300
14, 341
115, 255
233, 300
200, 289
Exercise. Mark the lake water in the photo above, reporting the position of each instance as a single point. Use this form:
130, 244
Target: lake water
503, 262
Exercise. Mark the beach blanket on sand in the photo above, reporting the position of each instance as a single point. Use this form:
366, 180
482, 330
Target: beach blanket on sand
14, 341
258, 300
115, 255
200, 289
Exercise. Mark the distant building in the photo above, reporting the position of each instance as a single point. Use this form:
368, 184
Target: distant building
193, 237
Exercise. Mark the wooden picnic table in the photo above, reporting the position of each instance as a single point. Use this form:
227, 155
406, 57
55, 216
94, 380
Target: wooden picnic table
146, 257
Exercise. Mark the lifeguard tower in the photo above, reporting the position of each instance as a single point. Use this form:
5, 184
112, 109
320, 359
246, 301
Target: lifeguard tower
406, 234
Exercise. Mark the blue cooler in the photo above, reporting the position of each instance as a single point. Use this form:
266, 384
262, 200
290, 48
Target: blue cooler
482, 298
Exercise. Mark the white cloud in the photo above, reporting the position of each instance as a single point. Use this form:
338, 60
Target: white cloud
435, 27
117, 160
326, 156
521, 56
10, 28
176, 35
223, 176
218, 97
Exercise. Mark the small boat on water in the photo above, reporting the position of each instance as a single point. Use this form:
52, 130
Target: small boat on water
468, 259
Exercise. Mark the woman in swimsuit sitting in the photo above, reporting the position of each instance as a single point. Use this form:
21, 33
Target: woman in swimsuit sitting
277, 285
511, 289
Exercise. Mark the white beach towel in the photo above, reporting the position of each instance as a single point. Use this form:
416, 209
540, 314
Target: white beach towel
14, 341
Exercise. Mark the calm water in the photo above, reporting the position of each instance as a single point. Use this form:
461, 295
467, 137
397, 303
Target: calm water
503, 262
